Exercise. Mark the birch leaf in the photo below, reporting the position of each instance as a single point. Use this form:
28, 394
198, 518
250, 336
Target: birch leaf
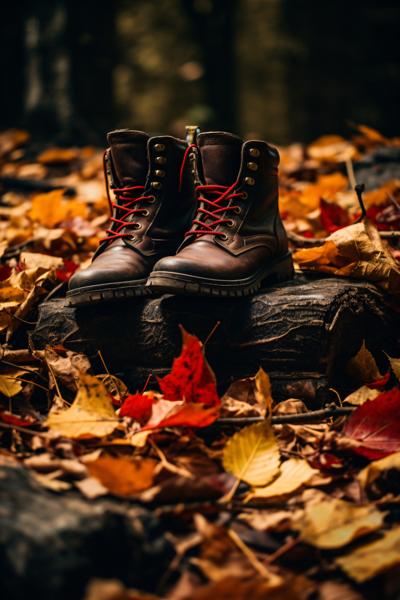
91, 414
252, 454
295, 472
370, 560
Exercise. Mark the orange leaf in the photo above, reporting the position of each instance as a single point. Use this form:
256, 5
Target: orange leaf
122, 476
51, 208
54, 156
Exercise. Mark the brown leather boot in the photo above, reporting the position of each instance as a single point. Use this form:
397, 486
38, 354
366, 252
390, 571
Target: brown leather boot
154, 206
237, 240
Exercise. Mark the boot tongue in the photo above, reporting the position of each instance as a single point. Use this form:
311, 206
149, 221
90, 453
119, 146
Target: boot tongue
129, 156
220, 155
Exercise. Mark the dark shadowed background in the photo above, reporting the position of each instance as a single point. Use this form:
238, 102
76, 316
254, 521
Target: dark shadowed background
285, 70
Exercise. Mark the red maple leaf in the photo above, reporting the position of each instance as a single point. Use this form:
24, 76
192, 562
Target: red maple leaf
137, 407
333, 216
191, 378
375, 425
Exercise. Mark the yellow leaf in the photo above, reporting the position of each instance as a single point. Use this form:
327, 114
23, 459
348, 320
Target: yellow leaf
334, 523
361, 395
370, 560
252, 454
295, 472
9, 386
331, 148
91, 414
45, 262
372, 471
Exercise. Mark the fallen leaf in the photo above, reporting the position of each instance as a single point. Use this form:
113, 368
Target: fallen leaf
66, 366
375, 426
363, 367
334, 523
189, 415
122, 476
191, 378
337, 590
395, 366
372, 559
355, 251
9, 386
91, 414
262, 520
361, 395
248, 397
295, 472
333, 216
376, 468
331, 148
252, 454
138, 407
53, 156
12, 419
51, 208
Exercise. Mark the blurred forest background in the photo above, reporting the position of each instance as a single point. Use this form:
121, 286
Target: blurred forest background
285, 70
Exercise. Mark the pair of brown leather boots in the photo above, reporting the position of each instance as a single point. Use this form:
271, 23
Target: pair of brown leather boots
188, 218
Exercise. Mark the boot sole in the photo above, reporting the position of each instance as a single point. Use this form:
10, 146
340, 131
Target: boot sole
168, 282
119, 290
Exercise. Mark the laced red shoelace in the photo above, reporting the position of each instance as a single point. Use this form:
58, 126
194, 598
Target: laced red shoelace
213, 201
126, 199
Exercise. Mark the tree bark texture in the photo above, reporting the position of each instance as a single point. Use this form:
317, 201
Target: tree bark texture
302, 333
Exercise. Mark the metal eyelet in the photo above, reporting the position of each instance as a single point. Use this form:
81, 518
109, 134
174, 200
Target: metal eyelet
145, 213
252, 166
159, 147
137, 226
156, 185
244, 195
249, 181
159, 173
160, 160
151, 199
237, 210
254, 152
230, 223
224, 237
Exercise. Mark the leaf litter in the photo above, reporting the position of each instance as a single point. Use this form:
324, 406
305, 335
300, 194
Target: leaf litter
265, 510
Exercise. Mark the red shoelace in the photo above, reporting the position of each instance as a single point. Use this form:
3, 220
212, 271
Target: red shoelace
213, 201
124, 206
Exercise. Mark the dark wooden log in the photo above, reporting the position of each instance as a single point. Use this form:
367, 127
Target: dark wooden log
302, 333
51, 545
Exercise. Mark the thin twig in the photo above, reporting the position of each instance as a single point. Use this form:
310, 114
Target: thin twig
213, 330
23, 429
359, 190
252, 558
307, 417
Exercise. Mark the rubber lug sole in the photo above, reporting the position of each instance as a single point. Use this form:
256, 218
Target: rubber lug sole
178, 283
95, 294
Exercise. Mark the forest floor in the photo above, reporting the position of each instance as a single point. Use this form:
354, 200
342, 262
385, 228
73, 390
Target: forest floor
286, 505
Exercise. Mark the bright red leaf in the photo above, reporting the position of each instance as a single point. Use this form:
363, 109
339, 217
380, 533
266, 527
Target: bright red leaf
375, 425
137, 407
333, 216
191, 378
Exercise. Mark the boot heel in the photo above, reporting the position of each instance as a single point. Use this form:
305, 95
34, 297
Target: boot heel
283, 270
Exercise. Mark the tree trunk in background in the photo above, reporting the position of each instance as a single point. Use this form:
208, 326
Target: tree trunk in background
213, 26
68, 70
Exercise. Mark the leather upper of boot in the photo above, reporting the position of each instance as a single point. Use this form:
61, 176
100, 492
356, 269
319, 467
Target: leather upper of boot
252, 233
144, 172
